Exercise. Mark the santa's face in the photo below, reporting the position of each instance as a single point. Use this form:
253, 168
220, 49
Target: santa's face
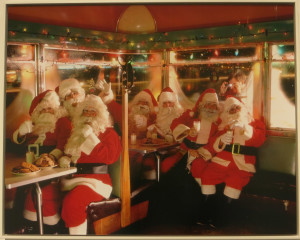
44, 121
209, 111
72, 97
234, 114
168, 107
142, 107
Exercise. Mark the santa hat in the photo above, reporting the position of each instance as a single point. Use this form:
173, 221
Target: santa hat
69, 84
45, 99
230, 101
146, 95
209, 95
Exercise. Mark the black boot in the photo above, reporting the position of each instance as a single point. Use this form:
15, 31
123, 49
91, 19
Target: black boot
208, 211
58, 228
227, 212
28, 227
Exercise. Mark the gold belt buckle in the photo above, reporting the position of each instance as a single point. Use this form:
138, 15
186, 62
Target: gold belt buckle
233, 149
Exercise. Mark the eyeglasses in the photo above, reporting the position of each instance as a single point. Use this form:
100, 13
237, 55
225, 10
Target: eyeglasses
235, 108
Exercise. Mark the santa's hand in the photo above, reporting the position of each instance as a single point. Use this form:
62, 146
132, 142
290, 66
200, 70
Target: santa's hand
64, 162
140, 121
223, 88
226, 138
26, 127
103, 86
86, 130
193, 132
238, 124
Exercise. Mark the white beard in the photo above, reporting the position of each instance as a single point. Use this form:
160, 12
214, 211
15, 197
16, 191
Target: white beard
241, 117
98, 124
164, 118
209, 115
45, 122
70, 107
141, 110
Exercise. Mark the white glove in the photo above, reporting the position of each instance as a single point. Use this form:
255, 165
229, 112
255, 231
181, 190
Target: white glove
140, 121
238, 125
86, 130
103, 86
25, 127
64, 162
226, 138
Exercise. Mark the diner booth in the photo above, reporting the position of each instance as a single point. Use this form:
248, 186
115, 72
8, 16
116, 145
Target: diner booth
135, 47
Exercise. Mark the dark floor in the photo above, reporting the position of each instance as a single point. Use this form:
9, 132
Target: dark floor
253, 216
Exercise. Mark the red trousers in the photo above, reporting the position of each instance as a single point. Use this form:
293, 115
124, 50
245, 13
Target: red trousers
75, 204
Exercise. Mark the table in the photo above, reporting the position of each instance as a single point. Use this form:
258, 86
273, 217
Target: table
13, 181
152, 148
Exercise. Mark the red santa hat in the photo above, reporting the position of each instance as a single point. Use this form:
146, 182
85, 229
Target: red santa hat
230, 101
147, 95
167, 94
209, 95
45, 99
69, 84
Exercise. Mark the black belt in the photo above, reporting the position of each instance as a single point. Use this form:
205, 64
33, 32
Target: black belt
236, 149
191, 144
91, 168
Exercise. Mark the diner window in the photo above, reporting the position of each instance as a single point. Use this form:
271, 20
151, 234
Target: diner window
89, 66
282, 87
20, 83
193, 71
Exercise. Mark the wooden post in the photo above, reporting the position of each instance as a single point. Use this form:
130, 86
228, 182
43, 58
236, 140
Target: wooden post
125, 171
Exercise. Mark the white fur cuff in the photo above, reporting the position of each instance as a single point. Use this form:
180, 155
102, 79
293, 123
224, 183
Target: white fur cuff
56, 153
232, 192
208, 189
180, 132
90, 142
107, 97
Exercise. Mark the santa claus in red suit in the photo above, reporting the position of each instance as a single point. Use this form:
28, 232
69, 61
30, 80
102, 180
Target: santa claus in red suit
235, 145
141, 109
49, 130
169, 108
71, 93
194, 128
93, 145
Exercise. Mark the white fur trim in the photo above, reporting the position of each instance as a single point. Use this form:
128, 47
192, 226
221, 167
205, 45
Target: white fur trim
15, 137
107, 98
216, 145
231, 101
205, 154
180, 132
248, 131
79, 230
57, 153
49, 220
208, 189
210, 97
203, 134
167, 96
242, 165
94, 184
232, 192
89, 144
220, 161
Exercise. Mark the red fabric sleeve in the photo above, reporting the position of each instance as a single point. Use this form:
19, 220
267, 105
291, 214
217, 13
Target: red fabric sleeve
62, 131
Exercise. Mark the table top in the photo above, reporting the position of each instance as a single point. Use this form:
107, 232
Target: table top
12, 180
148, 148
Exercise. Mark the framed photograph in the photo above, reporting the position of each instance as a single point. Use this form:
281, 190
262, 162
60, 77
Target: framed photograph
149, 119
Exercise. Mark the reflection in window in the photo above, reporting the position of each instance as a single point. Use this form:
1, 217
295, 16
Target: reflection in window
282, 112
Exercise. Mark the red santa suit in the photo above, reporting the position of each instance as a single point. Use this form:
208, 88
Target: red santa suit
234, 163
137, 121
181, 127
52, 142
90, 149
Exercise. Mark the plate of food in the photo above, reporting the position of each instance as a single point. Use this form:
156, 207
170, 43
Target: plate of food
25, 169
45, 162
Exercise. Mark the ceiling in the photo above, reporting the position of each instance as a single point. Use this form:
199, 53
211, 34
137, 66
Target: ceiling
168, 17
